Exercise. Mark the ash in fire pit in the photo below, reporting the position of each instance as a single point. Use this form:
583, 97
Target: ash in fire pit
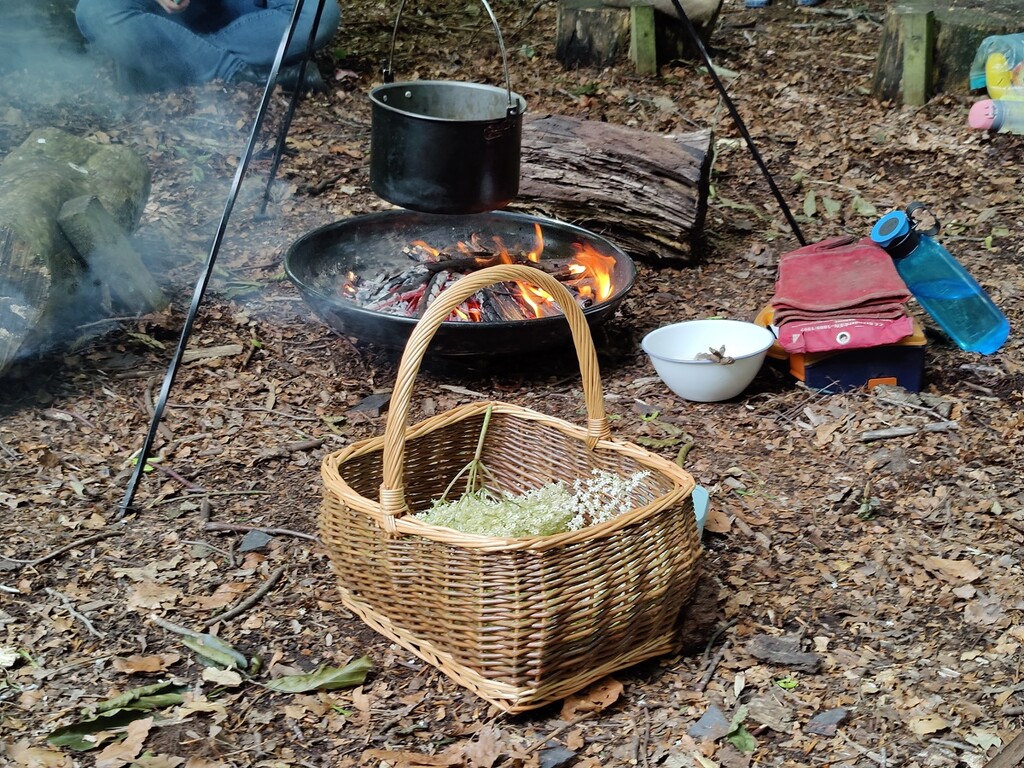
373, 276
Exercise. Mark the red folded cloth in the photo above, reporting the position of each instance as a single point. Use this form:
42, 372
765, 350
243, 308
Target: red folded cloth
837, 274
842, 333
840, 293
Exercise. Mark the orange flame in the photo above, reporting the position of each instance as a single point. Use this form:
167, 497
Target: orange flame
536, 298
538, 247
598, 268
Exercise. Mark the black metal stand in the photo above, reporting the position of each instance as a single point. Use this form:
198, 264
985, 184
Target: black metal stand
692, 32
204, 279
286, 124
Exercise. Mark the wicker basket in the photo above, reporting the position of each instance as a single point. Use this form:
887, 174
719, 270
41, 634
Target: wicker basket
520, 622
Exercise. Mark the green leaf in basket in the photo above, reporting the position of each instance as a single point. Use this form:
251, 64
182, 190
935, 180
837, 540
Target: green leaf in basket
215, 652
324, 679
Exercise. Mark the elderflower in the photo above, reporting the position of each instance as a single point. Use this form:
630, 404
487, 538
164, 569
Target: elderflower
550, 509
602, 497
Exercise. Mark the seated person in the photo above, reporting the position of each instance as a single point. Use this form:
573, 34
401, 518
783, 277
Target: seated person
160, 44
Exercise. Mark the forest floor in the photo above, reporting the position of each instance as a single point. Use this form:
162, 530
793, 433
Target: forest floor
892, 565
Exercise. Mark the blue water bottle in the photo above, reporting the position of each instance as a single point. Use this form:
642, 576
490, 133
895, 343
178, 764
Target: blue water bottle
940, 284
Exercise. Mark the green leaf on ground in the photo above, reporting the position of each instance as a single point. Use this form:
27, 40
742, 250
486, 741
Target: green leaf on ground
325, 678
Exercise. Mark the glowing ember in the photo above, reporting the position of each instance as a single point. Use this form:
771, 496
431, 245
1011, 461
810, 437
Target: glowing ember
588, 275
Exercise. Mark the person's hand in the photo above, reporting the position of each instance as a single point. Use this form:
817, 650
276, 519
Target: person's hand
173, 7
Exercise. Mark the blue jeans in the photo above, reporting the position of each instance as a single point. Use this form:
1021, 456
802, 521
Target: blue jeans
209, 40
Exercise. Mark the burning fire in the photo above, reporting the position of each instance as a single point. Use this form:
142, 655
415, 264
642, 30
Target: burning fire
587, 275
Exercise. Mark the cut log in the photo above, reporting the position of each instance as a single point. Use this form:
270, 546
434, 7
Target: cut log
112, 261
41, 274
927, 46
645, 192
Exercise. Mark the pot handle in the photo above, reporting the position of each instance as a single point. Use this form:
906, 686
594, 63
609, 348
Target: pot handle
392, 489
389, 75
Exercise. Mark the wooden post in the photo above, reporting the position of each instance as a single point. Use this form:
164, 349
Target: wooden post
918, 40
643, 51
948, 45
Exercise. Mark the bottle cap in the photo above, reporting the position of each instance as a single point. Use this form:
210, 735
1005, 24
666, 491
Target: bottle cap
983, 115
890, 228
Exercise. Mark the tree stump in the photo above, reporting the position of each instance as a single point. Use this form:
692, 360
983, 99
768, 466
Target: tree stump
595, 33
646, 192
928, 45
46, 289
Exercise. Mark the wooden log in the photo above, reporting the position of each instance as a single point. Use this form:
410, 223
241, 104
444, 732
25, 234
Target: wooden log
112, 261
41, 274
957, 29
646, 192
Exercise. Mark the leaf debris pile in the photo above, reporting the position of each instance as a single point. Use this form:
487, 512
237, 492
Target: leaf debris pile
861, 604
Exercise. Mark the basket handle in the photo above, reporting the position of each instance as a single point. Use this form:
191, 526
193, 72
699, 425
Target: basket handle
392, 490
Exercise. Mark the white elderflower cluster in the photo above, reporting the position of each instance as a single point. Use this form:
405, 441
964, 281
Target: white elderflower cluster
550, 509
602, 497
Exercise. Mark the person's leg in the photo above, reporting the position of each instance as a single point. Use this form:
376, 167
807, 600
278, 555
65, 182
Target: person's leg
254, 35
163, 48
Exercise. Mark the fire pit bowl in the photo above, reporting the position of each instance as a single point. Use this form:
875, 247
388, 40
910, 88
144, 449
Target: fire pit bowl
322, 262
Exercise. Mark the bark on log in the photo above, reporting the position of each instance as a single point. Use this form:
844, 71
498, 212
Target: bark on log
958, 28
114, 265
645, 192
43, 294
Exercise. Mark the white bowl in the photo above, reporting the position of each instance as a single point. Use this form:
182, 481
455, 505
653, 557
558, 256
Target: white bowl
674, 351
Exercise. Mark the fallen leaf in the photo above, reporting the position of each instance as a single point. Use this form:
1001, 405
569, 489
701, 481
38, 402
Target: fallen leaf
37, 757
229, 678
225, 594
486, 748
152, 594
951, 570
156, 663
717, 521
123, 752
324, 679
596, 698
982, 739
926, 724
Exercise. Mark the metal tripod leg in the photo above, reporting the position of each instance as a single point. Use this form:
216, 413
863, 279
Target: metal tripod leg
286, 124
204, 279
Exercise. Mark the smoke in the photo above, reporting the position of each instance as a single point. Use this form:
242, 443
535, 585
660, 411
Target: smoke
42, 45
48, 79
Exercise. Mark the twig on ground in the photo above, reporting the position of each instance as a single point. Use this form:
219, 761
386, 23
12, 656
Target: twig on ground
904, 431
75, 614
702, 684
60, 551
284, 451
557, 732
880, 759
249, 602
189, 485
170, 626
644, 743
238, 528
711, 662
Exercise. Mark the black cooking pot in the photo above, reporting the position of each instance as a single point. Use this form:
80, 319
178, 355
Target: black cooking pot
319, 262
443, 146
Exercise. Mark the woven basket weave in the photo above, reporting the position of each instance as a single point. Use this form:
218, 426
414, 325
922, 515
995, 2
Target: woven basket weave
521, 622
